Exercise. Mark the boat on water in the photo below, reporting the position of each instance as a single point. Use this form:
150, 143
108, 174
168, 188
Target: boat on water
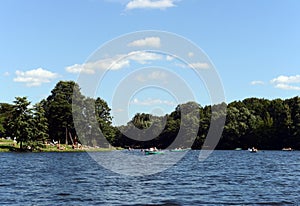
148, 152
287, 149
252, 150
178, 150
153, 151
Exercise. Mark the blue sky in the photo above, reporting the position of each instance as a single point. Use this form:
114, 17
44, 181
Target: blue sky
253, 44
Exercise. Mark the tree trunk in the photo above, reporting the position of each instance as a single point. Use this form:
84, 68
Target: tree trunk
66, 136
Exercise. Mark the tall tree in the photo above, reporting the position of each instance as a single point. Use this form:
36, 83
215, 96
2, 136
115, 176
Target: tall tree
20, 124
280, 113
58, 109
93, 122
294, 105
5, 117
39, 125
104, 119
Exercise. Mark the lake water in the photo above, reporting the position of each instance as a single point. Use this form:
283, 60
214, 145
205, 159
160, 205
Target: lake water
224, 178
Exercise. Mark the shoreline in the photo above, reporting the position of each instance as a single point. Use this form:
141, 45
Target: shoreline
11, 146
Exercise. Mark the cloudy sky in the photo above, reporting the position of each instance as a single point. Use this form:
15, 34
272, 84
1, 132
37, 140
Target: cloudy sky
254, 46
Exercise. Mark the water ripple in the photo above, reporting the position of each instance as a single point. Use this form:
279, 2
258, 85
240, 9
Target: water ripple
225, 178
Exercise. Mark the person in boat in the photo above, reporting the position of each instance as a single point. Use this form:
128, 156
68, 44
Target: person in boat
152, 149
254, 149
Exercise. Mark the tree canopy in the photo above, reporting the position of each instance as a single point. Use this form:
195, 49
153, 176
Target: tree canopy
262, 123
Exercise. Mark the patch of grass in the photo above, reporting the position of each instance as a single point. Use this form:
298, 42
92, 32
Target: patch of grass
68, 148
11, 146
5, 140
7, 145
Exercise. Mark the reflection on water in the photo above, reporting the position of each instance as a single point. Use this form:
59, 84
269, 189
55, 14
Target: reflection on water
135, 163
226, 177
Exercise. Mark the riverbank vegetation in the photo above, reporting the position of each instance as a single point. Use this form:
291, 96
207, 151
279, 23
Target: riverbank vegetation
7, 145
49, 124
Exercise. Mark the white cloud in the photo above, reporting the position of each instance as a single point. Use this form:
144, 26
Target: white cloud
286, 79
151, 102
285, 82
87, 68
143, 57
257, 82
114, 63
287, 87
35, 77
146, 42
91, 67
199, 65
150, 4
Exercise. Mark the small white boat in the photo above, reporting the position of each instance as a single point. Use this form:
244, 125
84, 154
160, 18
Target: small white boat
179, 150
287, 149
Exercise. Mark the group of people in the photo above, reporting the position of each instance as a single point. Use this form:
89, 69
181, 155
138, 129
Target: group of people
152, 149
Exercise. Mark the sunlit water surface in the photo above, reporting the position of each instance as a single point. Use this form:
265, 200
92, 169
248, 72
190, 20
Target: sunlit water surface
224, 178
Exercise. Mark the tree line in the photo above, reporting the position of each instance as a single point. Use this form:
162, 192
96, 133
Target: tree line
252, 122
51, 120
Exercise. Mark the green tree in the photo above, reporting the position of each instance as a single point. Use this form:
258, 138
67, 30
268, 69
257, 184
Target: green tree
20, 124
5, 117
104, 120
294, 105
145, 129
39, 126
280, 130
58, 109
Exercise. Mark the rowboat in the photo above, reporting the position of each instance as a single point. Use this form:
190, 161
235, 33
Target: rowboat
148, 152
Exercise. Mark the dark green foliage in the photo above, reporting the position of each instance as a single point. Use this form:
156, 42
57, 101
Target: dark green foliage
39, 126
20, 126
93, 119
5, 116
265, 124
52, 119
94, 123
142, 128
27, 126
262, 123
58, 107
179, 129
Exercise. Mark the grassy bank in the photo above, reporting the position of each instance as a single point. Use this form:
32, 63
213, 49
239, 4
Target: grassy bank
7, 145
11, 146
